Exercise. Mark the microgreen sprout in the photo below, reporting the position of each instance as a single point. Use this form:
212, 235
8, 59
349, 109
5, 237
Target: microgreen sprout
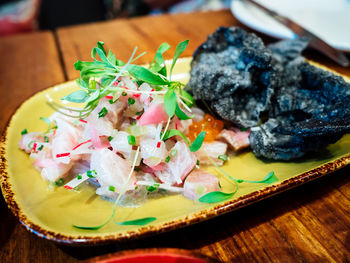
59, 182
103, 112
222, 157
91, 173
131, 140
106, 67
131, 101
152, 188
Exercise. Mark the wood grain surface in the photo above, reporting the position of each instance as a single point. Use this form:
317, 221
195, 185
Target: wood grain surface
29, 63
310, 223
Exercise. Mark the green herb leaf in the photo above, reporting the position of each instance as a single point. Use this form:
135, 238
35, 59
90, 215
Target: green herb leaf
196, 145
46, 120
158, 64
137, 222
111, 57
24, 131
170, 102
152, 188
222, 157
90, 227
78, 96
106, 81
101, 53
188, 99
180, 48
59, 182
103, 112
79, 177
214, 197
180, 114
100, 46
167, 159
173, 132
269, 179
110, 138
111, 188
131, 140
91, 173
146, 75
131, 101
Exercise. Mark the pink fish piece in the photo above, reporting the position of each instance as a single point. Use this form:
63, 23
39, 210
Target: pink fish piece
179, 165
113, 119
213, 150
111, 170
235, 138
199, 183
153, 115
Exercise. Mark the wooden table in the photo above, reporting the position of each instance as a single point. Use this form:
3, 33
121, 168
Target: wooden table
308, 224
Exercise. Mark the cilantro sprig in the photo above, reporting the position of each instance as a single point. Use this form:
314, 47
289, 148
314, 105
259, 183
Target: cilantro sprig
98, 78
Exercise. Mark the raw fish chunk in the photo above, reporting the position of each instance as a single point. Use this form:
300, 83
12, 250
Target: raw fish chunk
199, 183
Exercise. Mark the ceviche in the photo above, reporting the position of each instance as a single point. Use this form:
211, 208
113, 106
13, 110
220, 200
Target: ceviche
139, 133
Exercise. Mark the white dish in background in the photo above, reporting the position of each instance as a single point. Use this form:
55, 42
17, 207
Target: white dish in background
328, 19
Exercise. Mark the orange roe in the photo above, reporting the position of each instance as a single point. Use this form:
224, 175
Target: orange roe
209, 124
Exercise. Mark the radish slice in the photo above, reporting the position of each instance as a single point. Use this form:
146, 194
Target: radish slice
153, 115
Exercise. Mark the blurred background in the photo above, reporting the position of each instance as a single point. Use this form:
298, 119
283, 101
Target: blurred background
27, 15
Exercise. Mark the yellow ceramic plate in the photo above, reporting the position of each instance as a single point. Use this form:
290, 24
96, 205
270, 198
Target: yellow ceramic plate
50, 213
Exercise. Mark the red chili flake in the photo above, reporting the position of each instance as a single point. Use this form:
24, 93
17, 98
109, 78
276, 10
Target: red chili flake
80, 144
68, 187
158, 144
83, 120
34, 147
134, 147
109, 97
136, 95
116, 83
54, 132
176, 126
138, 117
124, 87
152, 89
62, 155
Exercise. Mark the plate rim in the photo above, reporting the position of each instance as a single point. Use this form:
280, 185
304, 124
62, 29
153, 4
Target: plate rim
268, 32
141, 232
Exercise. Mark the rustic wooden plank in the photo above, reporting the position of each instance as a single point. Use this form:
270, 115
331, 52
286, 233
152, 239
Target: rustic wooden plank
30, 62
122, 35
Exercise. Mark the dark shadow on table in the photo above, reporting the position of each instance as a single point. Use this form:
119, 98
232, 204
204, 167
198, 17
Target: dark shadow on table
226, 226
7, 222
